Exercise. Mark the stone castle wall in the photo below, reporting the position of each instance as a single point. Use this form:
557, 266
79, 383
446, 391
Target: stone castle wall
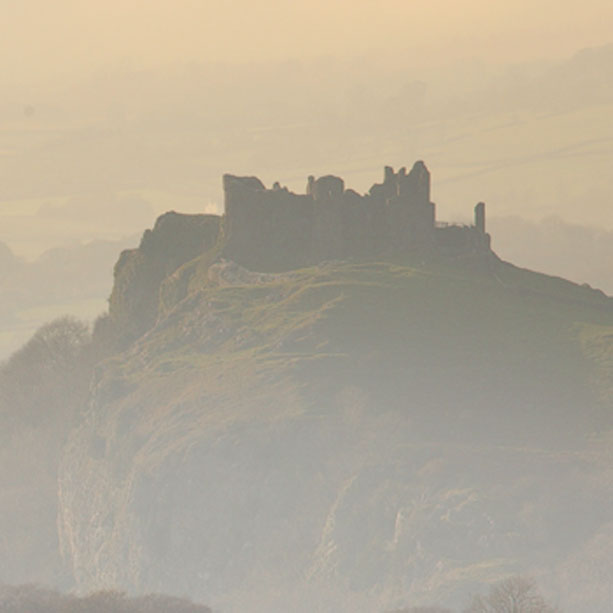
275, 229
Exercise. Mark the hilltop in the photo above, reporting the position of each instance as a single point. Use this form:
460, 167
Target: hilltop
359, 431
275, 230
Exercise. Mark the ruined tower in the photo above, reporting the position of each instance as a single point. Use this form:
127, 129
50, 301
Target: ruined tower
275, 229
480, 217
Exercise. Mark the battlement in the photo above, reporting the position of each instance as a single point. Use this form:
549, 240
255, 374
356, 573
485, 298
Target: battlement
276, 229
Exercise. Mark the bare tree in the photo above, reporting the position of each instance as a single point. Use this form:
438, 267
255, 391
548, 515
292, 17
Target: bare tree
49, 376
513, 595
43, 386
422, 610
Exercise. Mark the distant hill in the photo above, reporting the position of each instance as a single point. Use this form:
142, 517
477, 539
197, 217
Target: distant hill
72, 279
580, 253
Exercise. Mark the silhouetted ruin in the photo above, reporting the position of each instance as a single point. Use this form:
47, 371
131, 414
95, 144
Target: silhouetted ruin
275, 229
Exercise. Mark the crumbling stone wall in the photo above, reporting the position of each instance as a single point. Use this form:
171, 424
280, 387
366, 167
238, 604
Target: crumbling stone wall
275, 229
266, 230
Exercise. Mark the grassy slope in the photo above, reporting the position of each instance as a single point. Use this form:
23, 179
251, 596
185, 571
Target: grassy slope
389, 322
339, 415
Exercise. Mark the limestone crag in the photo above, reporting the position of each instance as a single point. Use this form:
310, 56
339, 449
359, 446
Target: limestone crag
174, 240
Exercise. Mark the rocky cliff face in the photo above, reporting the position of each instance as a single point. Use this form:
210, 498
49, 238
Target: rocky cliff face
174, 240
353, 437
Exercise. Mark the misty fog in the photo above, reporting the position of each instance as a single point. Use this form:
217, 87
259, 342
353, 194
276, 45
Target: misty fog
244, 369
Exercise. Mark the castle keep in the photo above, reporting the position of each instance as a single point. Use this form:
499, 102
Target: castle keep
275, 229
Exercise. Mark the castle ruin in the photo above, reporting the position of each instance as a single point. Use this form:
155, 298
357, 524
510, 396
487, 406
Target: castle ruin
275, 229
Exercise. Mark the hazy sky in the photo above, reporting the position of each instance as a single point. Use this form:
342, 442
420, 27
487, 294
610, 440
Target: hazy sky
45, 39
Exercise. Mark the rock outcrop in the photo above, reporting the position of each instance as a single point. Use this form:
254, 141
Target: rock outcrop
174, 240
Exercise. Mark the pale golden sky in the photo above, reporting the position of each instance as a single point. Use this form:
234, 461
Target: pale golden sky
49, 38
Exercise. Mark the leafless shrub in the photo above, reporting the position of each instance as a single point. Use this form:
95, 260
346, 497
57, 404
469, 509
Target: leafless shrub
513, 595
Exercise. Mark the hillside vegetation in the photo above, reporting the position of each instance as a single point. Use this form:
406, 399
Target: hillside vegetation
355, 436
